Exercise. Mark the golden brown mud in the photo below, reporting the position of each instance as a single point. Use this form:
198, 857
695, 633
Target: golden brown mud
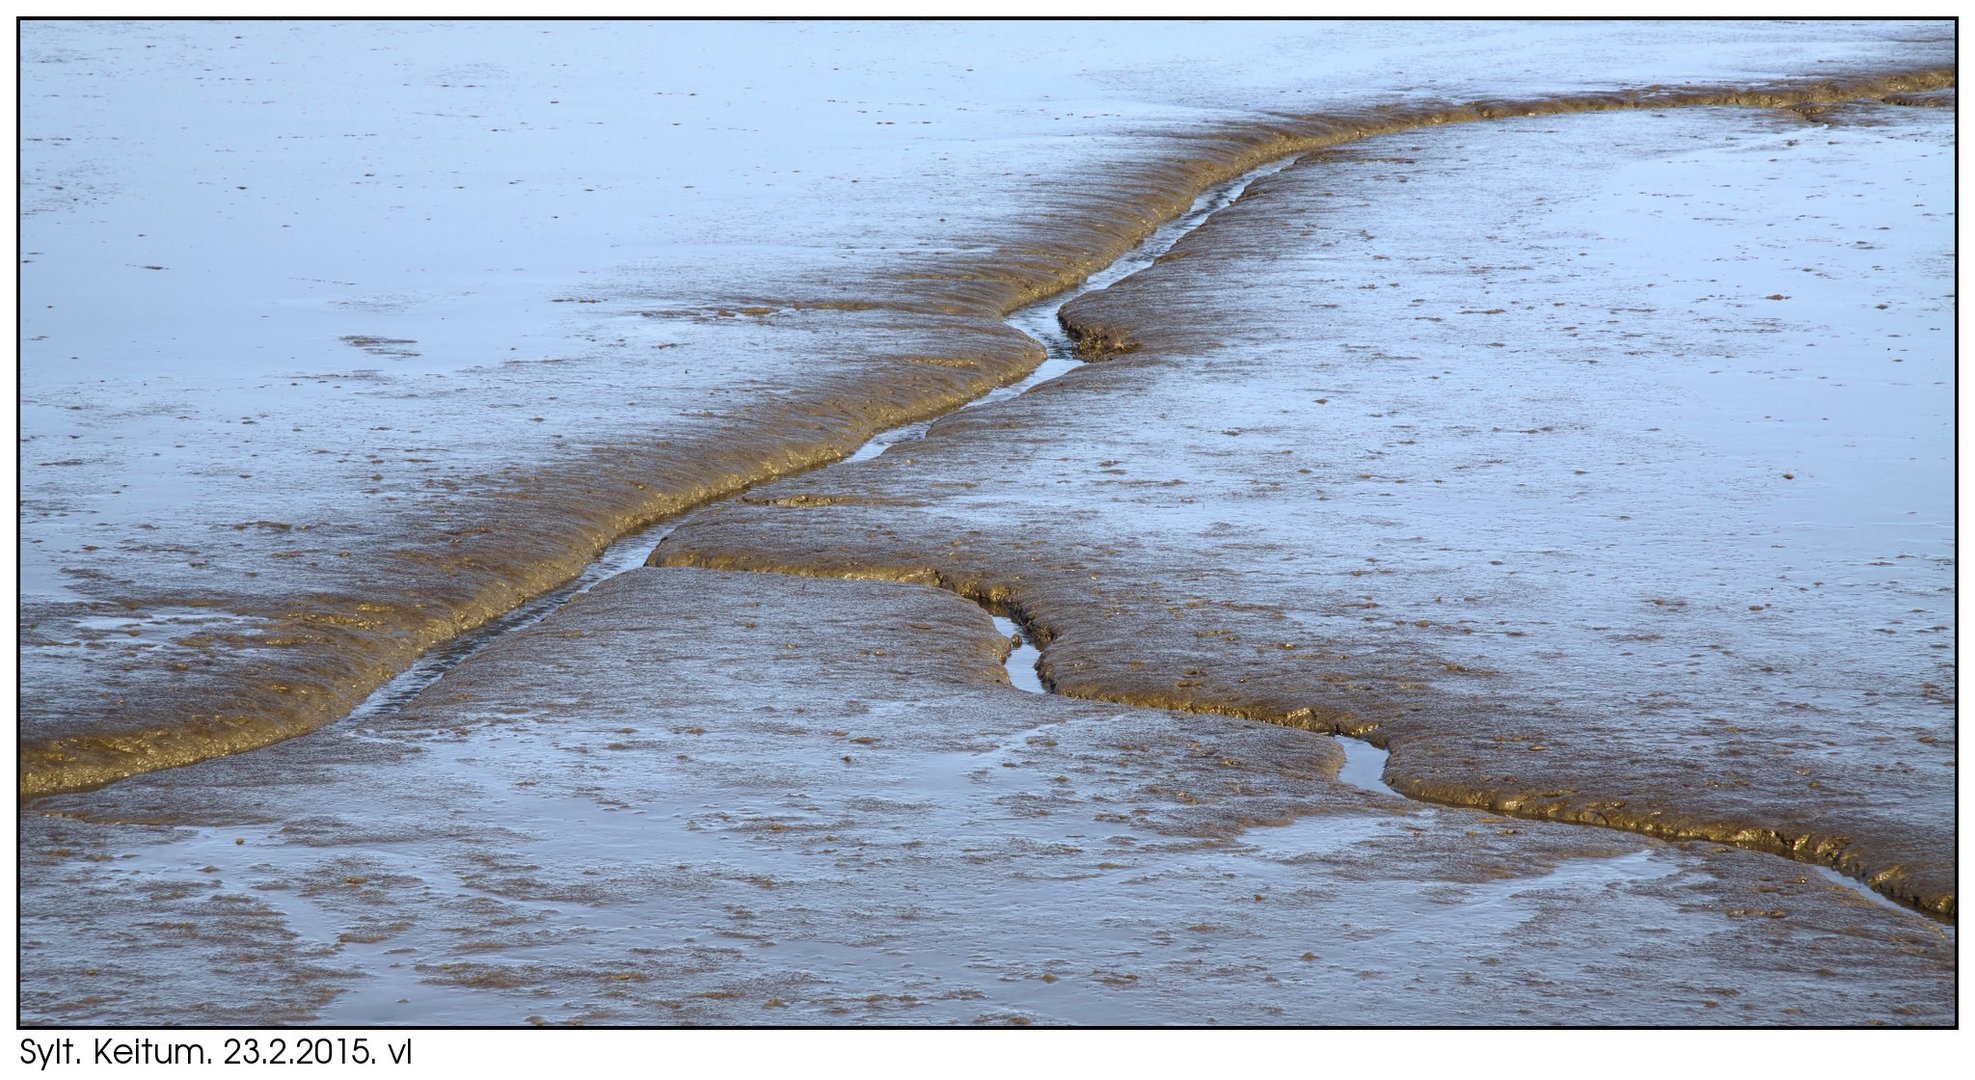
512, 537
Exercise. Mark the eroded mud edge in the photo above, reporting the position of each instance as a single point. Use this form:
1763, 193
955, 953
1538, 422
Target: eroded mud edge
331, 650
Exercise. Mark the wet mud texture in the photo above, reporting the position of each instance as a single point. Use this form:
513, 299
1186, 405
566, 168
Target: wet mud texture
1286, 495
146, 674
695, 797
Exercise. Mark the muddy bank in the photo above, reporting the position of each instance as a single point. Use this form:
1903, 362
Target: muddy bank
1351, 484
697, 797
132, 672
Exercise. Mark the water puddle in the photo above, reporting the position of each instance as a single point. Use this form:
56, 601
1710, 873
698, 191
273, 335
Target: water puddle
1023, 660
1364, 766
625, 555
1860, 888
175, 617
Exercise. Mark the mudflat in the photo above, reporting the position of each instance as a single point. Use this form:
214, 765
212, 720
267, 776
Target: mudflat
706, 797
1579, 441
1553, 494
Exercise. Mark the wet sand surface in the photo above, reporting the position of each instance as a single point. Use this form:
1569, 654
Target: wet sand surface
443, 323
702, 795
705, 797
1587, 521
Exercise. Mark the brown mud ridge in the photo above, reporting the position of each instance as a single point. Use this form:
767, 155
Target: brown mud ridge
313, 658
